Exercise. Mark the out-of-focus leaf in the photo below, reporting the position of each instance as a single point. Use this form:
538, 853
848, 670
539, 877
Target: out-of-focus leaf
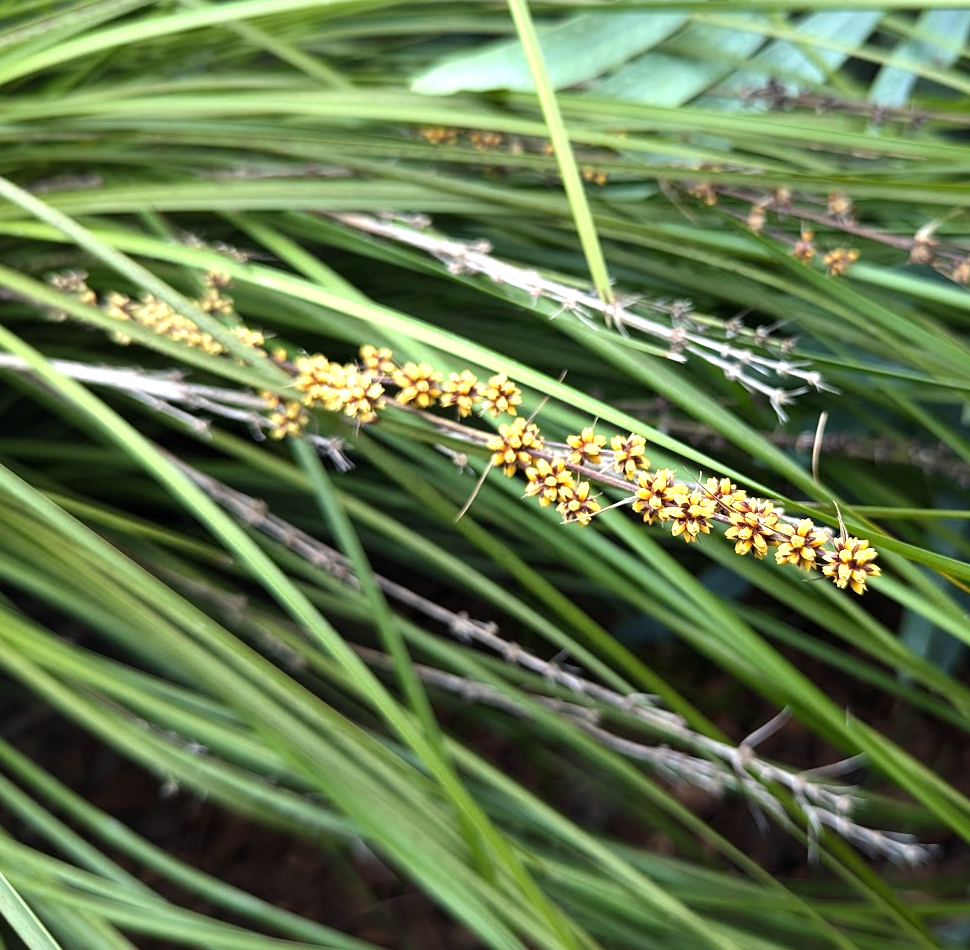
687, 65
575, 50
894, 83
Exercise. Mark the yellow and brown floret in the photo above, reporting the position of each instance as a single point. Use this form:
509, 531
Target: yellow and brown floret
438, 134
585, 447
691, 513
314, 378
839, 260
214, 299
655, 492
850, 564
576, 503
286, 417
74, 283
417, 384
724, 493
804, 248
484, 140
753, 526
254, 339
550, 481
355, 394
629, 455
840, 206
512, 448
500, 395
460, 390
378, 362
801, 545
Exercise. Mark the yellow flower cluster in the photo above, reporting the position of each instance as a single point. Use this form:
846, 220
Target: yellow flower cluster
358, 389
560, 475
156, 315
557, 474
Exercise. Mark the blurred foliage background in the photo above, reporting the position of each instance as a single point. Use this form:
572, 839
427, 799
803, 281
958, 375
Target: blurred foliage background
738, 229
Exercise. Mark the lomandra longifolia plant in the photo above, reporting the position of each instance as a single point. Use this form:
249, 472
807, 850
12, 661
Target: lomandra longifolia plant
569, 476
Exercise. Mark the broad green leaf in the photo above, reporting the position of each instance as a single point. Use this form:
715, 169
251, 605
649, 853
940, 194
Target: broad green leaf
575, 51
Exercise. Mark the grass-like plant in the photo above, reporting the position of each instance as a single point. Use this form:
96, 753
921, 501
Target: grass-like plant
366, 367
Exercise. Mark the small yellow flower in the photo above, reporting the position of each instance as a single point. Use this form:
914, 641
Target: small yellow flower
576, 505
214, 299
753, 524
438, 134
850, 565
251, 338
586, 447
513, 446
551, 481
74, 282
691, 514
704, 191
839, 260
839, 206
314, 378
460, 390
781, 200
756, 218
801, 546
804, 249
285, 418
500, 395
357, 396
629, 454
655, 492
377, 362
484, 140
418, 383
724, 492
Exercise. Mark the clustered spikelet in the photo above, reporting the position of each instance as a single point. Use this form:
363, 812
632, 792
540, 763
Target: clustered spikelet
285, 417
558, 475
691, 514
801, 545
514, 446
154, 314
851, 563
575, 503
585, 447
837, 213
804, 248
629, 454
500, 395
377, 361
838, 260
460, 390
214, 298
724, 492
349, 390
753, 523
418, 384
550, 481
497, 144
655, 492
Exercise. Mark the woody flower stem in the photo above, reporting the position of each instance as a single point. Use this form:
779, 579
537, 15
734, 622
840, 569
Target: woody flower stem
165, 391
684, 334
